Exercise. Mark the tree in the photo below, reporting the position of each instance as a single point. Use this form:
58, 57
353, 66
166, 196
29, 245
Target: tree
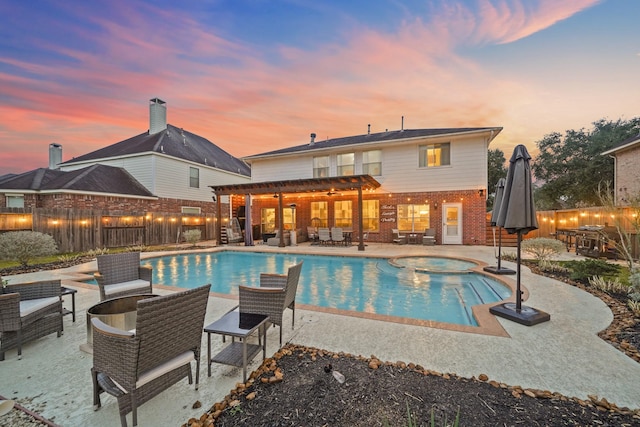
571, 166
497, 170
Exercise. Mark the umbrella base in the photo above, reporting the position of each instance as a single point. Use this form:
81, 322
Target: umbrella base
498, 270
525, 316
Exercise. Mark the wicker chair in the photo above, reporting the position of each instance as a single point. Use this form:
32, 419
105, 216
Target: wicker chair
135, 366
29, 311
276, 293
400, 239
324, 235
120, 275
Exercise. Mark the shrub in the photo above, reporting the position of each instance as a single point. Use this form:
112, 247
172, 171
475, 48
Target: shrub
192, 236
608, 286
634, 287
581, 271
552, 267
68, 257
97, 251
542, 248
137, 248
23, 246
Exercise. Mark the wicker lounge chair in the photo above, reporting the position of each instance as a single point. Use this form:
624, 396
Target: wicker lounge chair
120, 275
29, 311
135, 366
276, 293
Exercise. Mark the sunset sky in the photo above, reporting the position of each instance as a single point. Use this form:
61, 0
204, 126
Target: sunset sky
257, 75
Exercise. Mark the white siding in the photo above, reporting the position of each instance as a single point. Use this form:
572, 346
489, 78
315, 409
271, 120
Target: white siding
168, 177
172, 179
400, 171
283, 168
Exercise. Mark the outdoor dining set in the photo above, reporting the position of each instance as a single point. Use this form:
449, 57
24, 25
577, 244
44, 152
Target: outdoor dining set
330, 236
136, 358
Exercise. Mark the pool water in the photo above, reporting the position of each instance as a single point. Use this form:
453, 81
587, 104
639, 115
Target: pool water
369, 285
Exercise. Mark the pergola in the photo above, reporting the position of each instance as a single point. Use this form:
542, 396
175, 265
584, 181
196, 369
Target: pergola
357, 183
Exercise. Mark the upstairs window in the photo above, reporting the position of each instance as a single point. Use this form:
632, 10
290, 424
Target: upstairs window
321, 167
194, 177
372, 163
433, 155
346, 164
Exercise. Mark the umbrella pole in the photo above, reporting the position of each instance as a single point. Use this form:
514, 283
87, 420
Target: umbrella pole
499, 248
518, 292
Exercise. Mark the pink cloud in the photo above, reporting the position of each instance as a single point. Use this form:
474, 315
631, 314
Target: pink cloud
233, 96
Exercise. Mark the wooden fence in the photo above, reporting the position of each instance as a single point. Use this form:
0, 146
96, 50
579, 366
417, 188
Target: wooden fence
83, 230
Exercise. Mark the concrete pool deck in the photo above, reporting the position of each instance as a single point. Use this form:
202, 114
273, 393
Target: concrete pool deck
563, 355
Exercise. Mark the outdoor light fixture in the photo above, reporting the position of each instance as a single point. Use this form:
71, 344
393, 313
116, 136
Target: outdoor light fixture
275, 195
481, 192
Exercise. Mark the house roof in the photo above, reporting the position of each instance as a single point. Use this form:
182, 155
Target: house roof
173, 142
627, 143
394, 135
93, 179
305, 185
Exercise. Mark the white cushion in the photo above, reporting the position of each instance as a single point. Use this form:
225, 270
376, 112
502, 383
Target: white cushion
32, 305
158, 371
125, 286
183, 359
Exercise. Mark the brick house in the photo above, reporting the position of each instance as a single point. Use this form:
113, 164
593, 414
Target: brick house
422, 178
145, 189
626, 157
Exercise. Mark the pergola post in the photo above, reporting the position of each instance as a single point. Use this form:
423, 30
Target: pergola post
360, 221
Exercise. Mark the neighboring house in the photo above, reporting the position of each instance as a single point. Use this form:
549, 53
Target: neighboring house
626, 157
422, 178
141, 184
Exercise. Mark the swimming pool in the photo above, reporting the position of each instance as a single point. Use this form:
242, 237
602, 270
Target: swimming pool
368, 285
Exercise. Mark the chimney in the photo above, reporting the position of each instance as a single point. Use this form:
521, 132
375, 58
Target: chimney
157, 116
313, 138
55, 155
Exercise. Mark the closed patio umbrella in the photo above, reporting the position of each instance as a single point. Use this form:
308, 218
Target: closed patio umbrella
517, 214
494, 219
248, 228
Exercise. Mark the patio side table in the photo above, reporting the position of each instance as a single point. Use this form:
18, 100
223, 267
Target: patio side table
72, 292
237, 325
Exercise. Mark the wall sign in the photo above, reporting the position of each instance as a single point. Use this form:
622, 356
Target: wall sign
388, 213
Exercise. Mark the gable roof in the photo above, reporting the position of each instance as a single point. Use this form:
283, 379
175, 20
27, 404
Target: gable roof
627, 143
93, 179
394, 135
172, 142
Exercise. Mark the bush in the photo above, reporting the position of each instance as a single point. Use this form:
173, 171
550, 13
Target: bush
609, 286
552, 267
581, 271
23, 246
634, 287
192, 236
542, 248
